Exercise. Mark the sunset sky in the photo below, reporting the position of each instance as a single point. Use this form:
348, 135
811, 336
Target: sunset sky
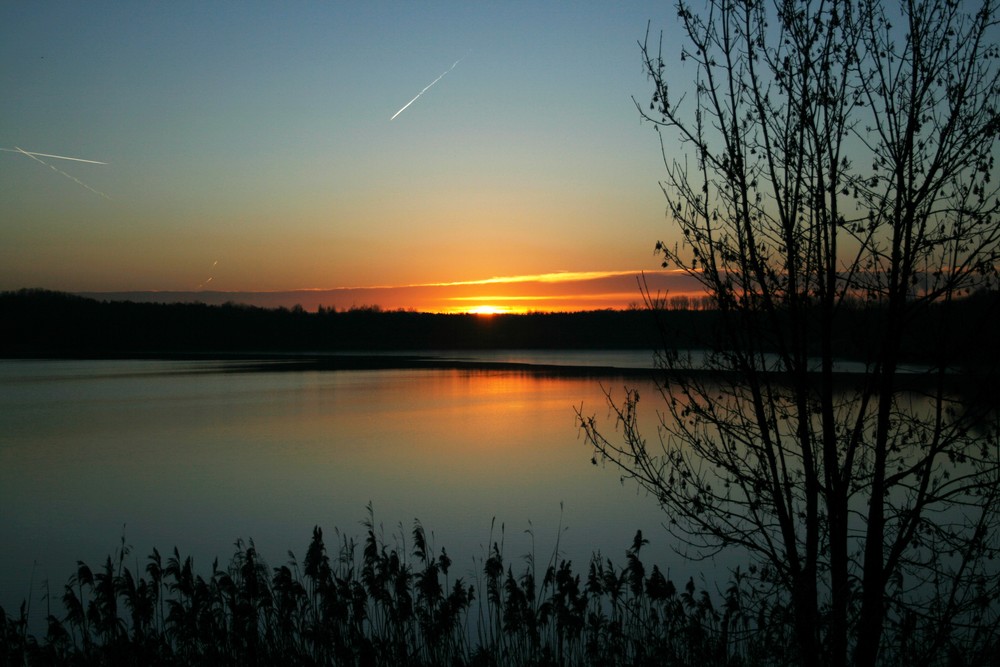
251, 147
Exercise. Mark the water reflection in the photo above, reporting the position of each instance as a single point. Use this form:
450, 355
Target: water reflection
198, 459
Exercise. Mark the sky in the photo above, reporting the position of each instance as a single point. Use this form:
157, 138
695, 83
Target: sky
268, 147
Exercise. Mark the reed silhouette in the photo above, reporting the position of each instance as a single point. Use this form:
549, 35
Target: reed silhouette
380, 601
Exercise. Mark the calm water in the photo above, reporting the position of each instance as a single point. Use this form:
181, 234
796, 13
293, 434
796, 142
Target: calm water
194, 455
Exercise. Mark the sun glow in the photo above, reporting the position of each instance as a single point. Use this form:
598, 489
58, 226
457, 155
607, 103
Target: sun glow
487, 310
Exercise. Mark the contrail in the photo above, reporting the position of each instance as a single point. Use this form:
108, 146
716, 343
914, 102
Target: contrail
428, 86
60, 157
72, 178
210, 278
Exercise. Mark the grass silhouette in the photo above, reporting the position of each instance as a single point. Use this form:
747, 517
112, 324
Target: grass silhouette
376, 602
382, 602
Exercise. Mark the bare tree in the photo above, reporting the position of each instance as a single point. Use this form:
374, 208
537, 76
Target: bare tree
679, 302
832, 191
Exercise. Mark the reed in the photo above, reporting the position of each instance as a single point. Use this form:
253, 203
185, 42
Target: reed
394, 601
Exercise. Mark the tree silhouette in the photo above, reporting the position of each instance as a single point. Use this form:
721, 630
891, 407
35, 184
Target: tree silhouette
829, 171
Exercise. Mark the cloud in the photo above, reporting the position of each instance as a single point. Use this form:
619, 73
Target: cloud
560, 291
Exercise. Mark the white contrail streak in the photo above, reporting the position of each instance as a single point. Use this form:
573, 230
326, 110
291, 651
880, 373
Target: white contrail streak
428, 86
56, 169
61, 157
210, 278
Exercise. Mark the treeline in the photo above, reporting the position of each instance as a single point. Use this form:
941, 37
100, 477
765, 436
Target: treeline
46, 323
37, 322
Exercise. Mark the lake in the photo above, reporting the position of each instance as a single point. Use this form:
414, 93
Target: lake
198, 454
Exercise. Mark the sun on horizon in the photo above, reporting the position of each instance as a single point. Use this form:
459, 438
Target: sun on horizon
488, 310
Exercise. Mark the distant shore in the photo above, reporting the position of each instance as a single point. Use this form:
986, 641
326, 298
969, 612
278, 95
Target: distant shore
45, 324
42, 323
250, 362
291, 362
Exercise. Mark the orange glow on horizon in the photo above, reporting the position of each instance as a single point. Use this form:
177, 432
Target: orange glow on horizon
486, 310
536, 293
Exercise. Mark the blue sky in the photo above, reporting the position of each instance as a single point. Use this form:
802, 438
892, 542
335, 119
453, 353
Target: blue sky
252, 143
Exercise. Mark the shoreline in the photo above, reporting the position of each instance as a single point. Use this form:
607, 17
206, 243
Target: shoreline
244, 362
459, 360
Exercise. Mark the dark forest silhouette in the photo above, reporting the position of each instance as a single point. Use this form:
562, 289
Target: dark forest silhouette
41, 323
